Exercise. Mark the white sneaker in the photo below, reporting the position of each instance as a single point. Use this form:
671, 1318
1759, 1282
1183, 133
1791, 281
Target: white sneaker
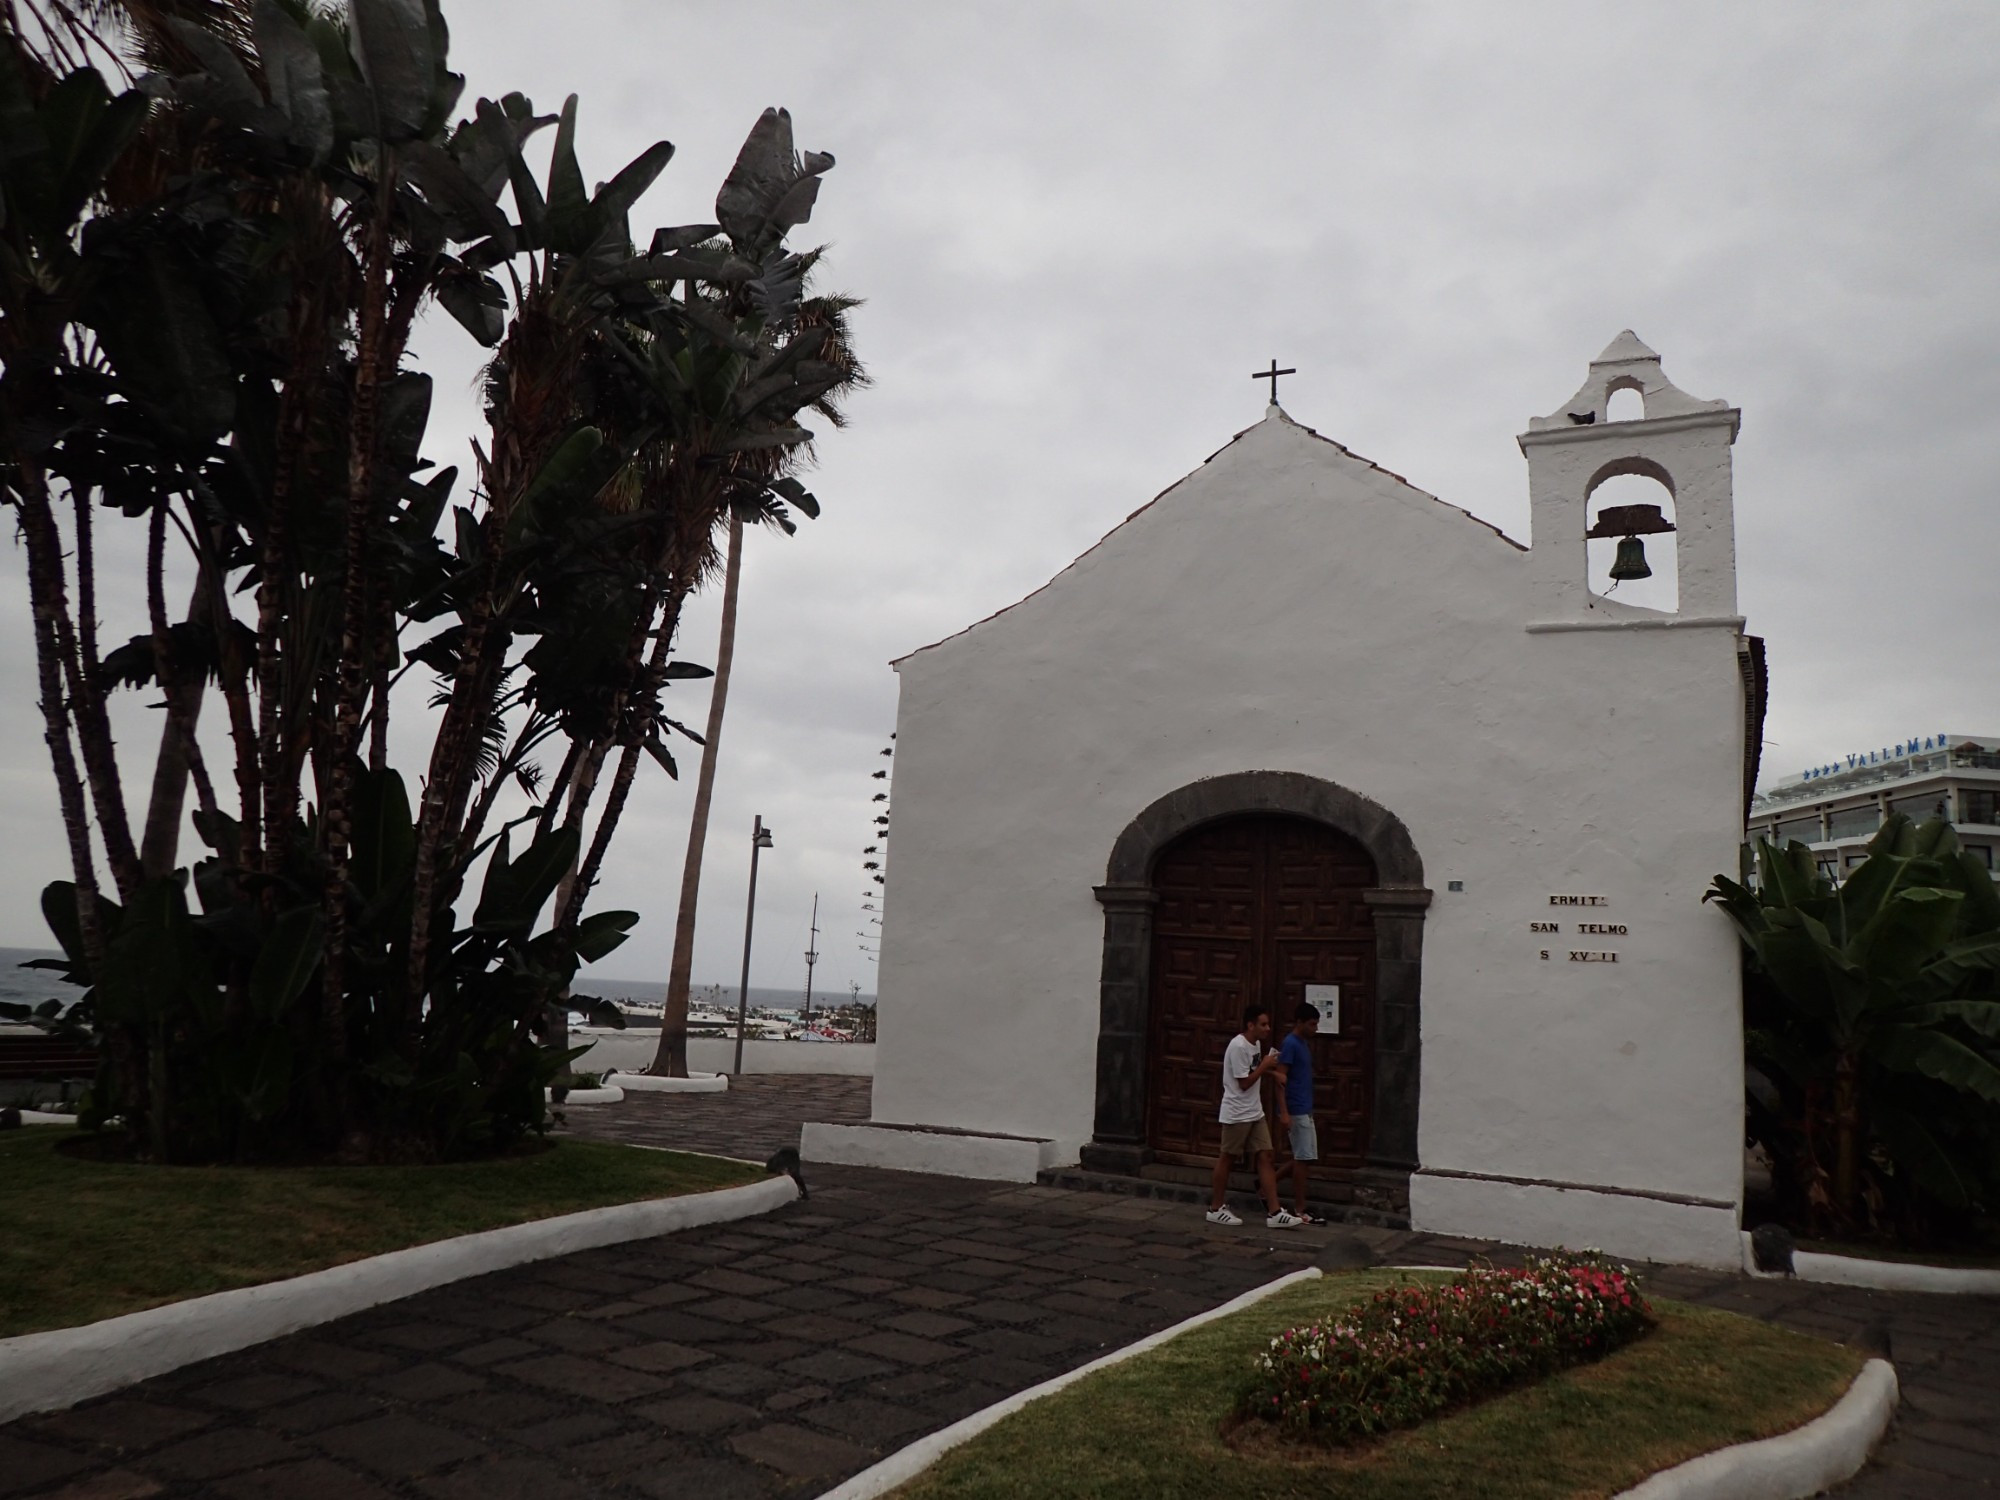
1283, 1219
1222, 1216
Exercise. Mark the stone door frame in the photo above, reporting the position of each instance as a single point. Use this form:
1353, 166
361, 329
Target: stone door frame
1118, 1142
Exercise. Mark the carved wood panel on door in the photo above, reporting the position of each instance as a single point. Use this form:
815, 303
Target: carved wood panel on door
1258, 907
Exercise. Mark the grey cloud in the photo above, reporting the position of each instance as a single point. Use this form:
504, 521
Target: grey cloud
1079, 228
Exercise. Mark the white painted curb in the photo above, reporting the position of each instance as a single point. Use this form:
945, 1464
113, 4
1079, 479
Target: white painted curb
53, 1370
1795, 1464
906, 1463
590, 1096
694, 1083
1882, 1275
45, 1117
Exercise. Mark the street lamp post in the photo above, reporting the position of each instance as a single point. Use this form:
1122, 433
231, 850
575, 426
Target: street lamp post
760, 838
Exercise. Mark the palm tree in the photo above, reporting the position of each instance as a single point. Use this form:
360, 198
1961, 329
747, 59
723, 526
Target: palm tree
671, 1058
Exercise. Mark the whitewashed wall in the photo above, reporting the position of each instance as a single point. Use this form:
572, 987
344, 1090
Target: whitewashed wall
1291, 607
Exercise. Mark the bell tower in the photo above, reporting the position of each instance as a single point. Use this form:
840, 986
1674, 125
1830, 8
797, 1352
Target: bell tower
1680, 441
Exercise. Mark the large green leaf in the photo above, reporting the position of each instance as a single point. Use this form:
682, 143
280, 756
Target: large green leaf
1956, 963
385, 838
479, 303
570, 462
1810, 971
265, 1077
294, 75
770, 189
515, 891
568, 199
1911, 1049
1982, 1016
468, 209
59, 910
286, 961
393, 47
602, 932
1905, 931
1916, 1150
154, 966
222, 88
87, 131
28, 177
1981, 913
169, 355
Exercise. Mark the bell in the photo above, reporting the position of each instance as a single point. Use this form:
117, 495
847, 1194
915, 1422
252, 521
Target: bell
1630, 562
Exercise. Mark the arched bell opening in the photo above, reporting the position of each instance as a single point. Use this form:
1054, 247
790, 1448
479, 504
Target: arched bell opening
1630, 546
1625, 403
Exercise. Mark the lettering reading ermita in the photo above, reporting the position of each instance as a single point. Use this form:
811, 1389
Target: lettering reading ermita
1578, 901
1577, 957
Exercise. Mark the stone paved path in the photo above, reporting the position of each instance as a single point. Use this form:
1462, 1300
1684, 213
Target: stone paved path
773, 1356
759, 1113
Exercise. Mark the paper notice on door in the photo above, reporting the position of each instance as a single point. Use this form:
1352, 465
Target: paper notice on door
1325, 998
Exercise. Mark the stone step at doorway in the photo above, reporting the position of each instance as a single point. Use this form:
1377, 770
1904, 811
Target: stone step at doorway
1189, 1185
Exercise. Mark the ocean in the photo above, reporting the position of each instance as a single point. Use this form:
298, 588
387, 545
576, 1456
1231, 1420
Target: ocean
33, 986
19, 986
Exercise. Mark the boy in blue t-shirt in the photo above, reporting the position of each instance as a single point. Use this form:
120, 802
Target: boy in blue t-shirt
1295, 1101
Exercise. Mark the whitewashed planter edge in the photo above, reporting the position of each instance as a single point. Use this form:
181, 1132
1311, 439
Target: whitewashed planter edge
1791, 1466
1794, 1464
1882, 1275
57, 1369
694, 1083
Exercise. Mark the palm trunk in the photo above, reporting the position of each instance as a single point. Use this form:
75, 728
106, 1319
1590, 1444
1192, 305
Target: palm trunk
180, 753
671, 1058
46, 595
357, 640
125, 1052
1847, 1135
76, 646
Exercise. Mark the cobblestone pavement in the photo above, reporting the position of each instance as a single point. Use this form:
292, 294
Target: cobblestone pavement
774, 1356
759, 1113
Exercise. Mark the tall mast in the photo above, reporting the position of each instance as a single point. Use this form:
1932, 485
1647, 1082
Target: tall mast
812, 957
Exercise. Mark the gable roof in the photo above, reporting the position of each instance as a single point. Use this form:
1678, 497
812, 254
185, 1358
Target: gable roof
1272, 413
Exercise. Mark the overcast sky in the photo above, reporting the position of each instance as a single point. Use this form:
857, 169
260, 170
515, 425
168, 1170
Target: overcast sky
1079, 227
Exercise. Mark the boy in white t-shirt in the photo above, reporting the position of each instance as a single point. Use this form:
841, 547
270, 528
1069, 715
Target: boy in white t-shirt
1242, 1118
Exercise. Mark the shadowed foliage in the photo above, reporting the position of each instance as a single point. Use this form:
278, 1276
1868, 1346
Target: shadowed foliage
222, 219
1872, 1016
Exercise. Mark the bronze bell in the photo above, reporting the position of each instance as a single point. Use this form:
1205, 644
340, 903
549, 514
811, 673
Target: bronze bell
1629, 523
1630, 562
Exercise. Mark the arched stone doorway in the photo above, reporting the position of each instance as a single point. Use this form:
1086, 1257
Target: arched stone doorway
1123, 1136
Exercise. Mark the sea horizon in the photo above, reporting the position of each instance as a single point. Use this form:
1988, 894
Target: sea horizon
32, 986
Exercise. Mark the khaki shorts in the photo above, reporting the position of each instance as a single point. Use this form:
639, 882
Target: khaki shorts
1250, 1135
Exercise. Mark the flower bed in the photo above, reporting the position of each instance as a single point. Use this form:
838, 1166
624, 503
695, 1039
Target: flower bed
1413, 1351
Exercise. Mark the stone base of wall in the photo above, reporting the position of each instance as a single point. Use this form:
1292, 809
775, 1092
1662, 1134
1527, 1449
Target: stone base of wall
917, 1148
1623, 1223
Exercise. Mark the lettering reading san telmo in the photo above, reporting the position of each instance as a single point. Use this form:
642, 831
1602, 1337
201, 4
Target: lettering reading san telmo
1597, 929
1579, 901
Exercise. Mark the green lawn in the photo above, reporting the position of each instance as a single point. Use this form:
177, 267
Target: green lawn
82, 1240
1152, 1428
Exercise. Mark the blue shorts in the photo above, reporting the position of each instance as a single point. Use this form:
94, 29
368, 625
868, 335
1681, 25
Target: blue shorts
1305, 1138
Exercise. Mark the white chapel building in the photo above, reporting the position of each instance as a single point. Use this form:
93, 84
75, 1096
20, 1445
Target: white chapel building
1298, 729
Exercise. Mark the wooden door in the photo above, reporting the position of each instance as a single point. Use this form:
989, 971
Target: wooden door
1257, 908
